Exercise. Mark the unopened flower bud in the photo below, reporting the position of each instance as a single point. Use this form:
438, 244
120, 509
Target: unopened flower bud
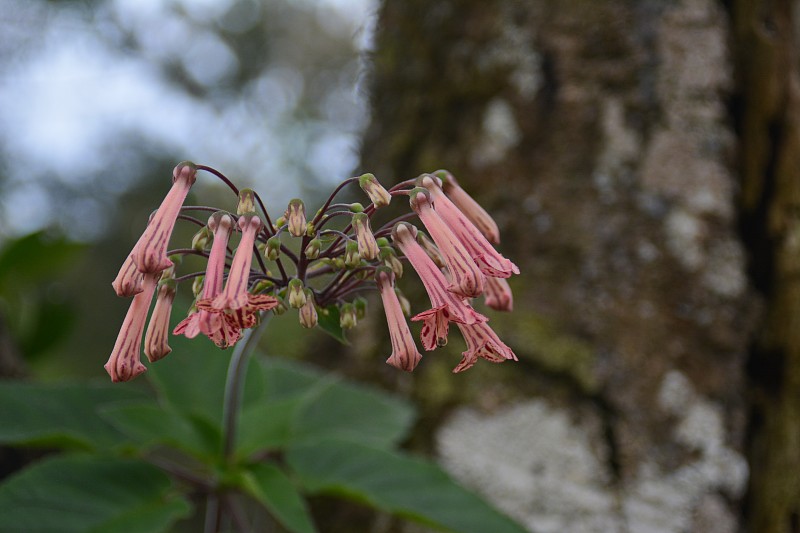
405, 305
247, 202
280, 308
382, 241
351, 256
347, 316
360, 304
273, 249
389, 258
197, 285
338, 263
379, 196
201, 239
312, 248
261, 286
430, 249
308, 312
296, 216
310, 229
471, 209
297, 295
356, 207
367, 247
279, 222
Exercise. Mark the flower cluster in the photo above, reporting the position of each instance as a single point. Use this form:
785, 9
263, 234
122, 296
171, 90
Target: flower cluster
319, 269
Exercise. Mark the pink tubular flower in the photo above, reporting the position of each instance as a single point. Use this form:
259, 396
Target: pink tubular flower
467, 205
124, 363
498, 295
234, 299
467, 278
482, 341
216, 325
129, 280
405, 355
446, 306
490, 262
156, 344
150, 251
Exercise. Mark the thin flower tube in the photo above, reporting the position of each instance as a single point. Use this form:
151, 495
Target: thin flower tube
405, 355
156, 345
467, 205
124, 363
446, 306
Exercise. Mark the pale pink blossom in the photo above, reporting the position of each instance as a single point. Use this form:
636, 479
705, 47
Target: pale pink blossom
490, 262
446, 306
216, 325
129, 280
472, 209
150, 251
483, 342
405, 355
235, 300
467, 277
498, 295
156, 345
124, 363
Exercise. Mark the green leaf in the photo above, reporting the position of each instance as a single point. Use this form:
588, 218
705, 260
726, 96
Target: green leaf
80, 493
51, 323
149, 424
395, 483
34, 256
270, 487
63, 415
328, 321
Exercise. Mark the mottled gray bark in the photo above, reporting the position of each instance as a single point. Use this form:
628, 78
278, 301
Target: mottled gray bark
601, 135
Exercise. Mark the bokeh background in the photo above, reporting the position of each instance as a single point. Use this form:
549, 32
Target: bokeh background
641, 158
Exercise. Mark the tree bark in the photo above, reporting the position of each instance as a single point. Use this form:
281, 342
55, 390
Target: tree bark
602, 137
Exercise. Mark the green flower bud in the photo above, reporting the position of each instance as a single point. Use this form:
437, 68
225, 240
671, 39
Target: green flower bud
247, 202
405, 305
379, 196
389, 258
347, 316
273, 250
351, 256
313, 248
297, 295
308, 312
261, 286
197, 286
296, 215
280, 308
202, 239
360, 304
356, 207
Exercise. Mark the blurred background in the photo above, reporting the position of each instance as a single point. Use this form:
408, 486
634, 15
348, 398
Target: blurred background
641, 158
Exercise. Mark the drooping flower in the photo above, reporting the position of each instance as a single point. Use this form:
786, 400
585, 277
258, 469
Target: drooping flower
297, 293
296, 217
124, 363
214, 324
483, 342
129, 280
150, 251
156, 344
367, 245
446, 306
467, 278
377, 194
405, 355
308, 311
498, 295
234, 299
490, 262
472, 209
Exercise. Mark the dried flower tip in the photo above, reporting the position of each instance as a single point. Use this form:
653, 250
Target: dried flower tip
297, 294
308, 312
356, 207
377, 194
156, 339
197, 285
430, 249
201, 239
471, 209
360, 304
296, 216
247, 202
389, 258
351, 256
273, 250
367, 246
313, 248
347, 316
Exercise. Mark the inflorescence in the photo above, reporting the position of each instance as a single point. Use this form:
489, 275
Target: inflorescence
323, 269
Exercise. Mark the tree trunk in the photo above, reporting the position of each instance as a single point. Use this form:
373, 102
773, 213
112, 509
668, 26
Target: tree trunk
629, 191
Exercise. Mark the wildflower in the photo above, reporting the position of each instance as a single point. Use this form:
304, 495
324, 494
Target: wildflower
313, 248
446, 306
296, 216
155, 340
483, 342
490, 262
367, 246
351, 256
129, 280
498, 294
468, 280
297, 294
234, 299
308, 311
377, 194
273, 250
347, 316
405, 355
472, 209
150, 252
214, 324
124, 363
